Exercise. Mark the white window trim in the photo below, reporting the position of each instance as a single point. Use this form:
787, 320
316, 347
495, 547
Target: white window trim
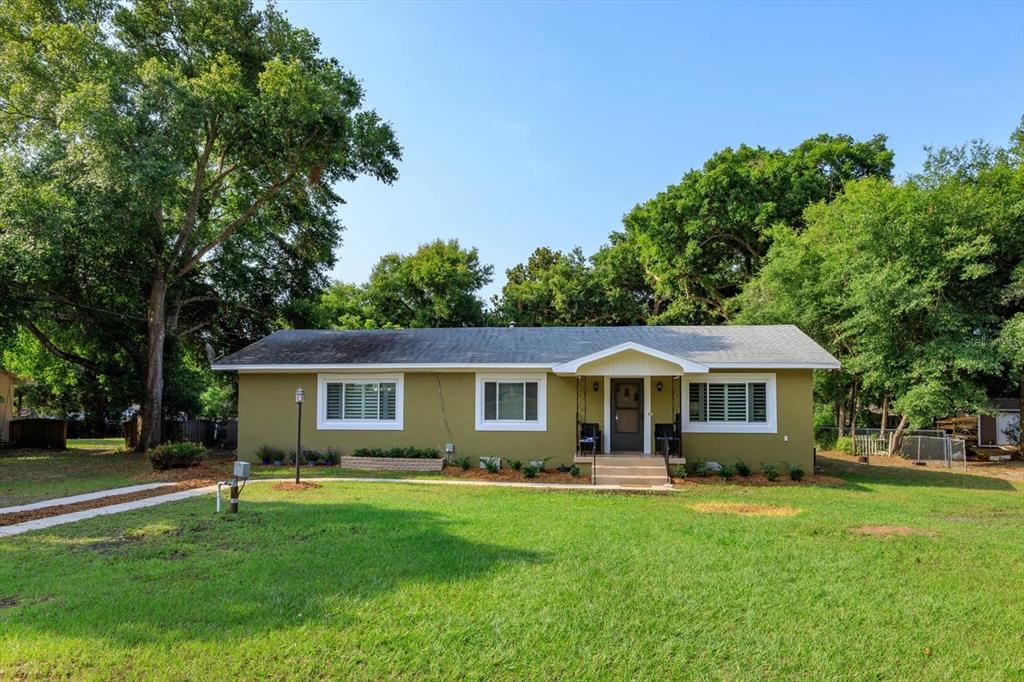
325, 424
509, 425
770, 426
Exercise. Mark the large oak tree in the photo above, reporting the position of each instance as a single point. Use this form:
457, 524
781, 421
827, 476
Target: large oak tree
173, 162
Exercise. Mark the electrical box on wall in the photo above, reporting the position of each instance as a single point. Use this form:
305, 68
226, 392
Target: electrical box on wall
449, 448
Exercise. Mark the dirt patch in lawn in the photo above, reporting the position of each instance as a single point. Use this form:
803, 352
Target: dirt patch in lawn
886, 531
292, 485
758, 480
744, 509
8, 602
46, 512
513, 476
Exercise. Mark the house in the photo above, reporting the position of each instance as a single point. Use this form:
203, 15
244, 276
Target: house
729, 391
7, 384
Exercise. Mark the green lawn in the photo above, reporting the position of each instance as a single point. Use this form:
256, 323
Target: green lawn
86, 466
375, 581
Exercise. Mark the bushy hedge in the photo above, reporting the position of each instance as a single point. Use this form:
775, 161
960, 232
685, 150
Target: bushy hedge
844, 444
176, 455
400, 453
270, 453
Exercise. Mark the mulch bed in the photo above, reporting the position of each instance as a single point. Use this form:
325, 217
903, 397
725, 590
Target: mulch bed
758, 480
31, 515
512, 476
293, 486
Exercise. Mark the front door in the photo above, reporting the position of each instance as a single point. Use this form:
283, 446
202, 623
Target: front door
627, 415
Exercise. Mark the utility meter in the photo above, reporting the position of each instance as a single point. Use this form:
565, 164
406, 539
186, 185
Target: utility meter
242, 469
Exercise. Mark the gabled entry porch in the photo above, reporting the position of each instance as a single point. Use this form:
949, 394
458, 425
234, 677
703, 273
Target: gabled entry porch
629, 400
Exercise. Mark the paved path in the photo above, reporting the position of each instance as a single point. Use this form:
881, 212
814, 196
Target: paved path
50, 521
84, 497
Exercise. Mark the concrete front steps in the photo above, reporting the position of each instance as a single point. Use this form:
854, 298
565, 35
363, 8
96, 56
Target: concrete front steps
630, 470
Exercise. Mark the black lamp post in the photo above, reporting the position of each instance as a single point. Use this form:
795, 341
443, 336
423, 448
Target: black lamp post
299, 394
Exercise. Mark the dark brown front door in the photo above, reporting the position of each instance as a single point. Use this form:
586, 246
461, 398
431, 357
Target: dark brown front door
627, 415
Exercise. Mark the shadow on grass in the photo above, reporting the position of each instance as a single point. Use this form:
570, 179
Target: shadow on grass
893, 475
276, 565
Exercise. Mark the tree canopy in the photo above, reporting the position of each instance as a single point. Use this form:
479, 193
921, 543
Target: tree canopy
193, 149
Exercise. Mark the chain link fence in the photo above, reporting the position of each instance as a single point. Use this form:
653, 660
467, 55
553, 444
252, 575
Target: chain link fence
921, 445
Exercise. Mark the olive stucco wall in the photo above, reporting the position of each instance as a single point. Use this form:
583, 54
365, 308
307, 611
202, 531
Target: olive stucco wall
266, 412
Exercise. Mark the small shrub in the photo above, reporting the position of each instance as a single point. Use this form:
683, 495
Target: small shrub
331, 457
742, 468
491, 464
312, 456
462, 462
574, 471
269, 453
679, 471
176, 455
725, 472
400, 453
700, 468
844, 444
770, 471
515, 465
530, 471
795, 472
291, 458
825, 439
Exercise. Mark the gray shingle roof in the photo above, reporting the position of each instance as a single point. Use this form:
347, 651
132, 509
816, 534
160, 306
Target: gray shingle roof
723, 345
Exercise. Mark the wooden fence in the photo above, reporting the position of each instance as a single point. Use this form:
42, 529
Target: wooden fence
39, 433
209, 432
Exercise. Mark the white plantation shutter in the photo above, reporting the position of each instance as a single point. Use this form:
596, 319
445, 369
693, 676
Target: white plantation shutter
758, 402
334, 401
387, 401
698, 399
736, 402
716, 402
354, 401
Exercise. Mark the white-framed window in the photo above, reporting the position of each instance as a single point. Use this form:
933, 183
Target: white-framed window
359, 402
730, 403
511, 402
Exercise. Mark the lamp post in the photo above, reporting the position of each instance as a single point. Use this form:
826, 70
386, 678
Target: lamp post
299, 394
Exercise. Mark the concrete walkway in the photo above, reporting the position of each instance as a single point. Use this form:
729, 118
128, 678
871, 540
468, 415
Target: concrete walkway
84, 497
50, 521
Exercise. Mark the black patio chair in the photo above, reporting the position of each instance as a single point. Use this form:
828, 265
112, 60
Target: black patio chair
666, 439
590, 438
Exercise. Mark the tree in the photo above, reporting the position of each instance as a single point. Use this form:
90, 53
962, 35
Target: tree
434, 287
909, 285
190, 146
701, 240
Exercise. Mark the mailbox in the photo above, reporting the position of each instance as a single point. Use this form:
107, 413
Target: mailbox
242, 469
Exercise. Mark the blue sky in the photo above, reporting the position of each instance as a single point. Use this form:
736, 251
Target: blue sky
541, 124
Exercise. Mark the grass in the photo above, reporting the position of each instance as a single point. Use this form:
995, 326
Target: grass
377, 581
86, 466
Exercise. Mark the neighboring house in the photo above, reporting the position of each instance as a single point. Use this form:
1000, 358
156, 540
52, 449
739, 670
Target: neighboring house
733, 391
7, 384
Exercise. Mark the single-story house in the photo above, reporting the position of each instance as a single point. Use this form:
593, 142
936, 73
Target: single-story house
728, 392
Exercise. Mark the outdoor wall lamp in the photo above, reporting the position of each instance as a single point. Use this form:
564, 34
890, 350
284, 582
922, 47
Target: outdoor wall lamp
299, 395
595, 386
659, 387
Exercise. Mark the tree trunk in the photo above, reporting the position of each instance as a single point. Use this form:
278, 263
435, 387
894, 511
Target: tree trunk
897, 436
152, 406
885, 415
1020, 417
840, 418
853, 416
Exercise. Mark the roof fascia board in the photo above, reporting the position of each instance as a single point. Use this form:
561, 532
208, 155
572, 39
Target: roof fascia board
686, 365
426, 366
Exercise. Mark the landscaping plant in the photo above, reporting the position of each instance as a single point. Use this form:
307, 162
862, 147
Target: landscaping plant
844, 444
515, 465
176, 455
770, 471
725, 472
492, 464
332, 456
679, 471
574, 471
530, 471
742, 468
700, 468
795, 472
462, 462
